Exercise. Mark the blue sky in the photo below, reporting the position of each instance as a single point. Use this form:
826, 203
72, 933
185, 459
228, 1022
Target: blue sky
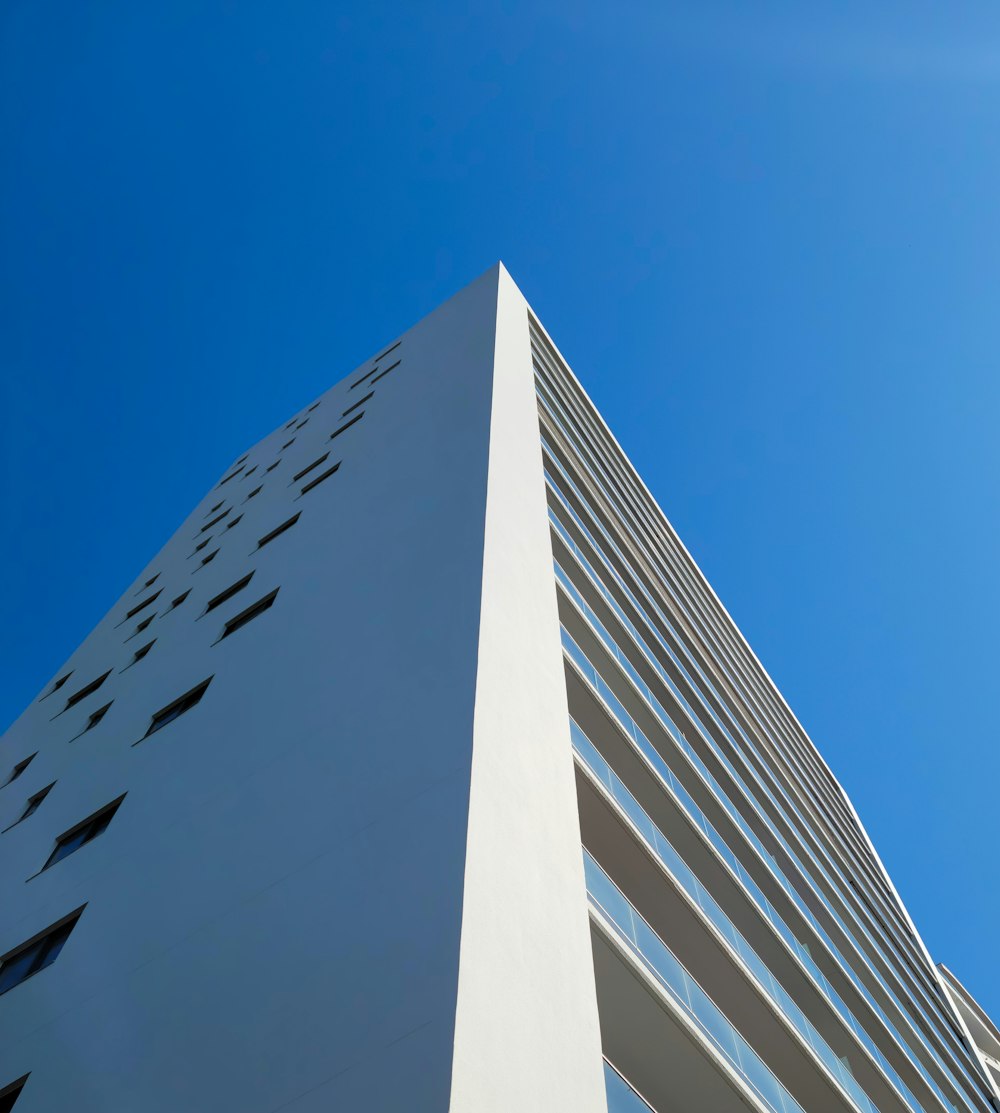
767, 241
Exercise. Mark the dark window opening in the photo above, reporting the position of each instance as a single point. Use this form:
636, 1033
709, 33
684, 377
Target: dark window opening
306, 470
84, 832
20, 768
98, 715
251, 471
183, 595
145, 622
234, 522
208, 525
140, 653
228, 593
249, 614
34, 956
142, 606
231, 475
201, 545
347, 425
312, 407
58, 684
360, 402
288, 444
273, 466
34, 802
301, 423
319, 478
177, 708
211, 556
255, 491
277, 531
149, 583
388, 350
382, 374
218, 506
86, 690
367, 375
9, 1094
290, 424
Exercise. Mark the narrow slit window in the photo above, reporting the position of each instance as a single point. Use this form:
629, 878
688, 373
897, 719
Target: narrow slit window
301, 423
58, 684
388, 350
208, 525
382, 374
20, 768
85, 691
273, 466
306, 470
201, 545
312, 407
288, 444
360, 402
228, 593
149, 583
248, 615
32, 957
234, 522
177, 708
35, 802
231, 475
140, 653
250, 472
218, 506
9, 1094
319, 478
211, 556
277, 531
98, 715
255, 491
290, 424
140, 626
347, 425
83, 833
180, 599
364, 378
142, 606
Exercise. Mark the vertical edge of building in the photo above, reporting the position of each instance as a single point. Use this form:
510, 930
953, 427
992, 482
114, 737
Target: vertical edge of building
527, 1031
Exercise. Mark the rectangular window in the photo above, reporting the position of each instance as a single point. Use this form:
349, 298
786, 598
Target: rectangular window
319, 478
142, 606
177, 708
231, 475
382, 374
347, 425
228, 593
98, 715
9, 1094
86, 690
84, 832
277, 531
32, 957
208, 525
20, 768
249, 614
360, 402
306, 470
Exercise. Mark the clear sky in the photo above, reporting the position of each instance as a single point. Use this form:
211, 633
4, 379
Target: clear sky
765, 237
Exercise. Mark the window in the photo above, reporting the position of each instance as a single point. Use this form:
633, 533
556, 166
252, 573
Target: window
142, 606
234, 522
250, 472
177, 708
382, 374
301, 423
142, 625
218, 506
98, 715
249, 614
20, 768
277, 531
388, 350
347, 425
82, 833
34, 802
255, 491
231, 475
149, 582
306, 470
228, 593
367, 375
312, 407
208, 525
201, 545
360, 402
86, 690
288, 444
140, 653
290, 424
9, 1094
31, 957
319, 478
183, 595
57, 685
273, 466
211, 556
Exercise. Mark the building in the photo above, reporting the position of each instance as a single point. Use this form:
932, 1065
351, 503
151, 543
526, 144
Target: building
298, 827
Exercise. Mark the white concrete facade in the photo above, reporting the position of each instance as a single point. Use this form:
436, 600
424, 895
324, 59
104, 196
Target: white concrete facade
445, 829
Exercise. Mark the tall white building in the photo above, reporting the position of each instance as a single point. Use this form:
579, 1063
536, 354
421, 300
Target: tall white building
298, 827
